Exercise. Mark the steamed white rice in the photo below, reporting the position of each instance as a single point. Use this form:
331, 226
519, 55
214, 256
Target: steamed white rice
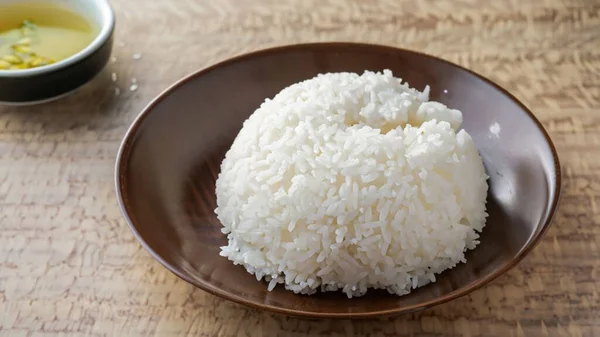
349, 182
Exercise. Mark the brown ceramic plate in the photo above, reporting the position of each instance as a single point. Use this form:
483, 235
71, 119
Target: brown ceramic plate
170, 158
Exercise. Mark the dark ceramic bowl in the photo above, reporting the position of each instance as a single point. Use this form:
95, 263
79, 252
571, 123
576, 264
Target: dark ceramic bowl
170, 158
43, 84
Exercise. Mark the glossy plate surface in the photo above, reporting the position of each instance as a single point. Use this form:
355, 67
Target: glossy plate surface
170, 158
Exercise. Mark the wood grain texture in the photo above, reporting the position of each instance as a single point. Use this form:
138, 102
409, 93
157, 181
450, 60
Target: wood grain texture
70, 266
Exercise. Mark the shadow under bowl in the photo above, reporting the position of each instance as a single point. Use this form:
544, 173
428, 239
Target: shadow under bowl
170, 158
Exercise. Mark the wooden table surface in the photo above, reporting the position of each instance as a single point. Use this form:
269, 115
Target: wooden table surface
69, 265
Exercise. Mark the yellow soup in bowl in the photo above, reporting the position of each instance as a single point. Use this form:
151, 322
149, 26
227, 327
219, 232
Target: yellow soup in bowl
34, 35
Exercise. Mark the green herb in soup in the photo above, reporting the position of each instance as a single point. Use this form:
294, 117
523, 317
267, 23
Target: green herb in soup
34, 35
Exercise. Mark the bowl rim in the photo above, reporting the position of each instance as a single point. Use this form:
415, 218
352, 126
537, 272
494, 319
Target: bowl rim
124, 151
106, 28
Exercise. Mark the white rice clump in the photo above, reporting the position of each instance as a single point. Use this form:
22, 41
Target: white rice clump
349, 182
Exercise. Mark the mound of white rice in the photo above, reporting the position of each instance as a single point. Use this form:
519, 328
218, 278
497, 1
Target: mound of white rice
351, 182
